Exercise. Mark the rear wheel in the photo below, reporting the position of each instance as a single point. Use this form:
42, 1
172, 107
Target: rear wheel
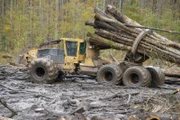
43, 70
158, 76
136, 76
109, 73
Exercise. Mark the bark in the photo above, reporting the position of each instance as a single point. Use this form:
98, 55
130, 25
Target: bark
89, 23
115, 29
102, 43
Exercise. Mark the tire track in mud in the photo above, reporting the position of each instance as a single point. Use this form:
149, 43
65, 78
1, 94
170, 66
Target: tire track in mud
50, 101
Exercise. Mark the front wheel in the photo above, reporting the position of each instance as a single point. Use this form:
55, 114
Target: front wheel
43, 70
136, 76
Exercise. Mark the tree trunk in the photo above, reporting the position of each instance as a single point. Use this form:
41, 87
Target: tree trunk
154, 6
142, 3
61, 18
174, 8
3, 7
56, 21
121, 2
31, 24
11, 10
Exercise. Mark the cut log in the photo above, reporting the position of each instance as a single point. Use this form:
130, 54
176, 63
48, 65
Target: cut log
5, 118
112, 31
156, 116
103, 43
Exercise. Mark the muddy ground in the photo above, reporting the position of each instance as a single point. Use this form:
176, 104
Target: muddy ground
81, 96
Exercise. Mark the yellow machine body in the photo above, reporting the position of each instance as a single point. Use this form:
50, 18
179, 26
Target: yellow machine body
85, 57
26, 58
78, 55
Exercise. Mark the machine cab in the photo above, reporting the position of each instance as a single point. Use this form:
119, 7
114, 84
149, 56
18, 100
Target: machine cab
68, 51
74, 50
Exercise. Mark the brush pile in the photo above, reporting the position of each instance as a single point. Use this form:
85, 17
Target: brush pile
112, 30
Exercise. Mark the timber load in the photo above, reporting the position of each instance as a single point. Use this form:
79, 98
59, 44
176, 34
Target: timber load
117, 31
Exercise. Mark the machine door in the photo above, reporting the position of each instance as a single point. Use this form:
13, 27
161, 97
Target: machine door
71, 56
82, 51
82, 48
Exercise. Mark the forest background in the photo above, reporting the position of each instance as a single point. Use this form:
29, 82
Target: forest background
24, 24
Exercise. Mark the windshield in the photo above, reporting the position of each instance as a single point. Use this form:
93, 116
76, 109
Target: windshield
71, 48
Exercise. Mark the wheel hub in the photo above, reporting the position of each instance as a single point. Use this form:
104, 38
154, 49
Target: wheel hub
40, 71
108, 76
134, 78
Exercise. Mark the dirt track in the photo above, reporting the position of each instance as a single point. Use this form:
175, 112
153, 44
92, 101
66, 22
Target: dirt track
51, 101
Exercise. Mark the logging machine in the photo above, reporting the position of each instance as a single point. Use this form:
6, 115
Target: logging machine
77, 56
74, 56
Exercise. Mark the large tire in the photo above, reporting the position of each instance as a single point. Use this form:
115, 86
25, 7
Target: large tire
109, 73
43, 70
136, 76
61, 75
158, 76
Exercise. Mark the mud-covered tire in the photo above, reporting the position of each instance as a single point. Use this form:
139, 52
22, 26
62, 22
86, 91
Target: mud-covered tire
61, 75
158, 76
136, 76
109, 73
43, 70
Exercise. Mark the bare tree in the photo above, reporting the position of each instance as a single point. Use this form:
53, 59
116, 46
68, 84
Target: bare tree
121, 2
11, 10
31, 24
174, 7
56, 21
3, 7
154, 6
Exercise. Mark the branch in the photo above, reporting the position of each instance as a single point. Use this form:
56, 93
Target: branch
151, 28
13, 112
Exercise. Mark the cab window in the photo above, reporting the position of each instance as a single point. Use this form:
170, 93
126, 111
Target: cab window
82, 48
71, 48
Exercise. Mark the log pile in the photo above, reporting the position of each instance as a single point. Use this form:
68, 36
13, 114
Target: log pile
115, 30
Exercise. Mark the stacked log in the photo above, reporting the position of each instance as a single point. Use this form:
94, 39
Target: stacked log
115, 30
